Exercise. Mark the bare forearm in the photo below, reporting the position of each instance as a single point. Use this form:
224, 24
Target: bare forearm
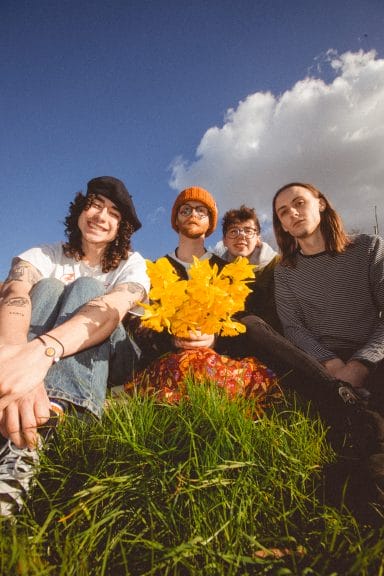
97, 319
15, 303
90, 326
15, 317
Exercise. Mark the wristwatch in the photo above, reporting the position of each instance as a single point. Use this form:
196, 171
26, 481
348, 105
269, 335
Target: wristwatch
50, 351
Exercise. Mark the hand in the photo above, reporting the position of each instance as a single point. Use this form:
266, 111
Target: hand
334, 366
23, 367
353, 372
20, 419
195, 340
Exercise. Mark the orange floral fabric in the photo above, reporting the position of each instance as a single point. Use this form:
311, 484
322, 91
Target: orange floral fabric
165, 377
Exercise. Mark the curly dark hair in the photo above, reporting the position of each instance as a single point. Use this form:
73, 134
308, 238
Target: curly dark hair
240, 215
116, 250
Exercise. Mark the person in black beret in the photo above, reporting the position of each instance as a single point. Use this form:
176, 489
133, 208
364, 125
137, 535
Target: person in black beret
61, 335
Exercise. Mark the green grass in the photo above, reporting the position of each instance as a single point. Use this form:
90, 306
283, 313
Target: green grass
197, 488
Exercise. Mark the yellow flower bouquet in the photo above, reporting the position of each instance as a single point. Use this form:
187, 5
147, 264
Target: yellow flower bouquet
205, 302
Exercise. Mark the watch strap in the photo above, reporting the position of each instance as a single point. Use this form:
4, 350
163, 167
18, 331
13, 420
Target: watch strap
50, 351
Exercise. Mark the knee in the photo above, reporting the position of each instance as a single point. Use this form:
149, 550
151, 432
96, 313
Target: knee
48, 288
255, 322
86, 286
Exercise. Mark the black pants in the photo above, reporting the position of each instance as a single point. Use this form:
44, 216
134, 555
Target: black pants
356, 432
294, 367
299, 371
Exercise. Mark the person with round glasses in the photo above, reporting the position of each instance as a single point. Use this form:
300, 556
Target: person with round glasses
241, 237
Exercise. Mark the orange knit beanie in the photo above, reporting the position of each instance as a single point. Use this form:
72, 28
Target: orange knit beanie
200, 195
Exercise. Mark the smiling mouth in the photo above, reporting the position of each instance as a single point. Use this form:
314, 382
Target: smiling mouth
94, 226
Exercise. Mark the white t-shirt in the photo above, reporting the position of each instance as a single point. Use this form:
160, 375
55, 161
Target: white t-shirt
51, 262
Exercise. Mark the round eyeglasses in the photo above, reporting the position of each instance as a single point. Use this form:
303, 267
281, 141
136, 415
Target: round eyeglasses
201, 210
247, 232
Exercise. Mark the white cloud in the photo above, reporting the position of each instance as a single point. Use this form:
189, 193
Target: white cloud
156, 215
331, 135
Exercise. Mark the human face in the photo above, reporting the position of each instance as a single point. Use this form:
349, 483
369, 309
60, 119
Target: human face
299, 211
195, 224
99, 224
240, 245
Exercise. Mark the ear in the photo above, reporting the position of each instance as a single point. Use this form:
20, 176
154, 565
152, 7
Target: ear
322, 204
225, 242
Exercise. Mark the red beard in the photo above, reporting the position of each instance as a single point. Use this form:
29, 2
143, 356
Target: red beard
193, 228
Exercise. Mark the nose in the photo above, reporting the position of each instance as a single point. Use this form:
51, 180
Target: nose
102, 213
294, 211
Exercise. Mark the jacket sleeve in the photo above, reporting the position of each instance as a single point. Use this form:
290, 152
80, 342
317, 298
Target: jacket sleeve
261, 301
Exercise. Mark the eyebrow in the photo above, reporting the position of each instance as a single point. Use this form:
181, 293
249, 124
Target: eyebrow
101, 199
286, 205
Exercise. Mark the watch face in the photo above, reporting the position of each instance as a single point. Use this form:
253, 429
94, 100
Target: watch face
49, 351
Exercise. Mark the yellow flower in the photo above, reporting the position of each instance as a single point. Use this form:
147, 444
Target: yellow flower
205, 302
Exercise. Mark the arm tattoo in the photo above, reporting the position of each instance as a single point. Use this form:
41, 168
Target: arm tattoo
21, 270
132, 287
18, 302
16, 305
135, 289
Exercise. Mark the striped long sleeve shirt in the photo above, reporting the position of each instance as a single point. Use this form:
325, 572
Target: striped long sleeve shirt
326, 302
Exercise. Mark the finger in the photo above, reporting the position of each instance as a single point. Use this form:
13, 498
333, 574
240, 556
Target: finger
12, 426
3, 430
5, 401
28, 424
179, 342
41, 410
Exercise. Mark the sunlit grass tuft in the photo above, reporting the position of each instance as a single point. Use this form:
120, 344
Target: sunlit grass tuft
197, 488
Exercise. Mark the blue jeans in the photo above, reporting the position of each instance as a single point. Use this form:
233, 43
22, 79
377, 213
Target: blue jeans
80, 379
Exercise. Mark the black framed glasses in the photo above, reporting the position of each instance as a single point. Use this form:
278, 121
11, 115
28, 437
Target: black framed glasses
247, 232
201, 210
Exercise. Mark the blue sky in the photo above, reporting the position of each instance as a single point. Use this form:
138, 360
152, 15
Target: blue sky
141, 90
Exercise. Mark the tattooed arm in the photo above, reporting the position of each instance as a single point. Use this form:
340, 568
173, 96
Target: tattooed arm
23, 401
92, 324
15, 304
96, 321
15, 315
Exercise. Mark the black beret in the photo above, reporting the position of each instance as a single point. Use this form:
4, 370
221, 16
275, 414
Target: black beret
115, 190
